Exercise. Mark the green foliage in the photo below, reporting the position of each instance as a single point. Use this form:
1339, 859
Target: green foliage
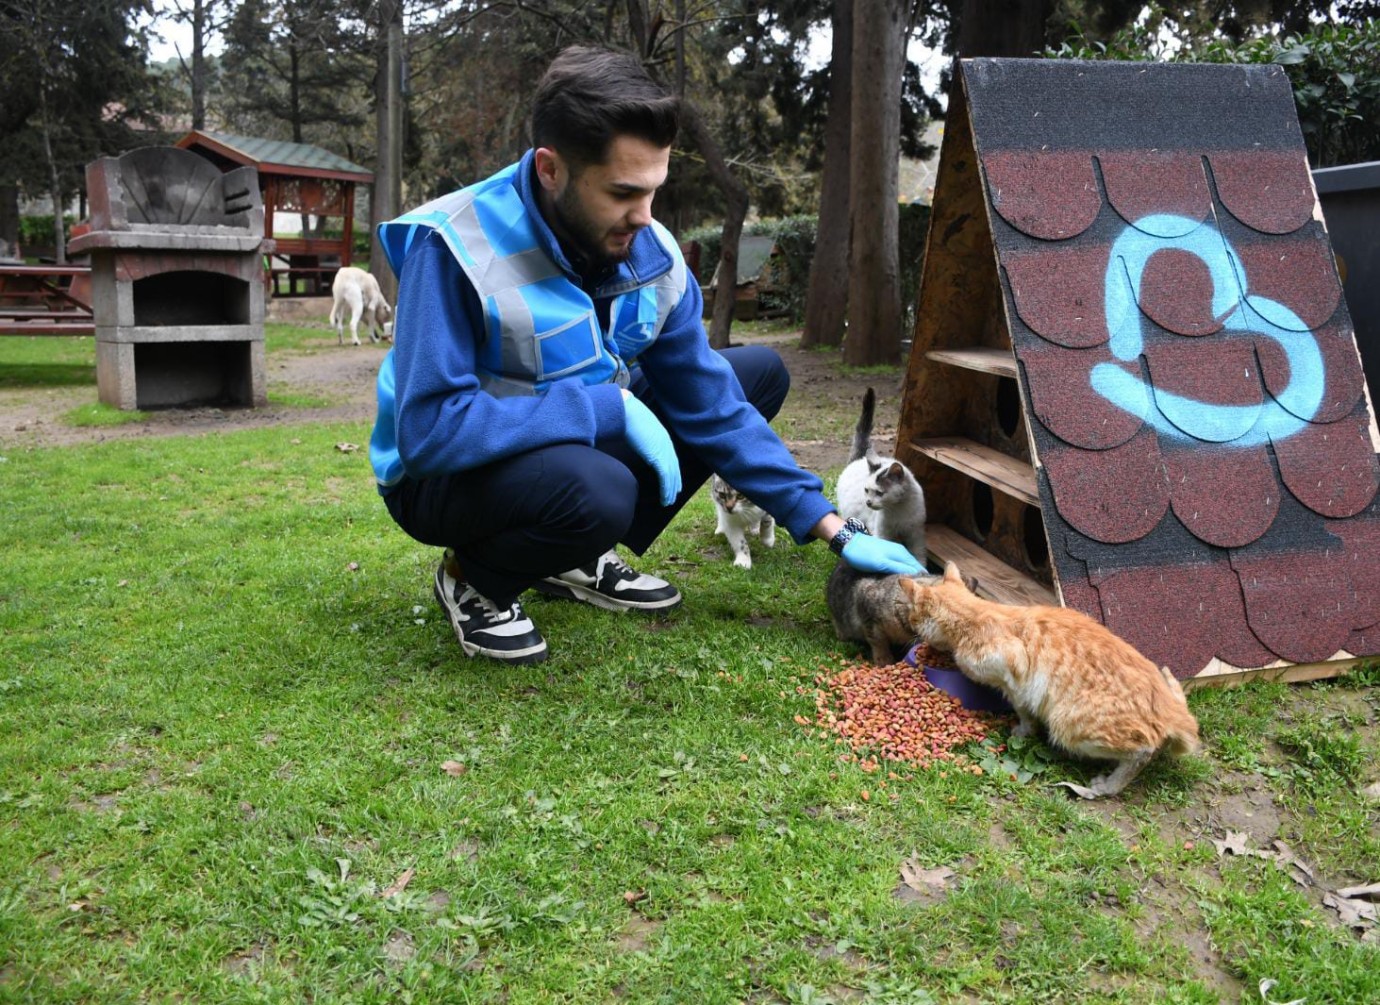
291, 69
795, 248
37, 231
74, 79
1334, 70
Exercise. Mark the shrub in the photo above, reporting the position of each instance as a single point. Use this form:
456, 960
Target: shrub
37, 231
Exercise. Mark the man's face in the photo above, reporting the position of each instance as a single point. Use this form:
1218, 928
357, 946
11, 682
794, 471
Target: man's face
600, 209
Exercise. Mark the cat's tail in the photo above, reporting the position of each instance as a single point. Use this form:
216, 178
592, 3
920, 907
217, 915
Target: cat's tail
1181, 734
862, 432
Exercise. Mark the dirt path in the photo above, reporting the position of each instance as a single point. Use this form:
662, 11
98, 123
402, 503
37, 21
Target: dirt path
343, 378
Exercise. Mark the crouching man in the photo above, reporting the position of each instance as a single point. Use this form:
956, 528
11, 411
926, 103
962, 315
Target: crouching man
551, 391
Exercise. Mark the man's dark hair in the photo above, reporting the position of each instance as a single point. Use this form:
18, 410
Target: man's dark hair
588, 96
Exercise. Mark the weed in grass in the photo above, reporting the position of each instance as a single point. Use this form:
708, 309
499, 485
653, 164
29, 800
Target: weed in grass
100, 414
1322, 751
1367, 675
285, 399
1017, 759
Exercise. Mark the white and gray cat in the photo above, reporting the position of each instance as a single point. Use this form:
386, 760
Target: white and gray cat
880, 490
738, 516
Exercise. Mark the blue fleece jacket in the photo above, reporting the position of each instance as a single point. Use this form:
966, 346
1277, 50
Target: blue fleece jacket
442, 423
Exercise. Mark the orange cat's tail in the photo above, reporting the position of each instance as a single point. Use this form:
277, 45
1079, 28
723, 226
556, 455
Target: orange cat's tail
1181, 734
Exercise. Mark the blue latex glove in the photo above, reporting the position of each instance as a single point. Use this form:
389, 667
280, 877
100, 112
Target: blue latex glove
649, 438
874, 554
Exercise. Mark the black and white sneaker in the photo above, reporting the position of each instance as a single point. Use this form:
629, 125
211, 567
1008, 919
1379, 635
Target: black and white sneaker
485, 629
609, 583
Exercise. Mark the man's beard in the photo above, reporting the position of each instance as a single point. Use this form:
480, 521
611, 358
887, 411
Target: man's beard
584, 233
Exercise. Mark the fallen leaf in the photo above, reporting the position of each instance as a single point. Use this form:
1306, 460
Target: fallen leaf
923, 880
347, 448
398, 885
1351, 911
1372, 792
1370, 892
631, 897
353, 566
454, 768
1299, 870
1235, 843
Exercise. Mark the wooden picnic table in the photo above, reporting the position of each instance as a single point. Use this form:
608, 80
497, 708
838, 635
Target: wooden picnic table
45, 300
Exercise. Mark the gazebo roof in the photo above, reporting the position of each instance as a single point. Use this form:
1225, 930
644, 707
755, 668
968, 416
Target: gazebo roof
276, 157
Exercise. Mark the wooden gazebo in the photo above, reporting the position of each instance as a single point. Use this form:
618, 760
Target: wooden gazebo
293, 178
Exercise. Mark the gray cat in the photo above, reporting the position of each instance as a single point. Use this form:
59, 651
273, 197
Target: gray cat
881, 491
872, 609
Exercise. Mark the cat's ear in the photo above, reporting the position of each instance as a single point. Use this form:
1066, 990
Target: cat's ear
911, 588
952, 575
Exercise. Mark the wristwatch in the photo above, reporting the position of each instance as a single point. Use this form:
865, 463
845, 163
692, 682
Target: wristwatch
850, 527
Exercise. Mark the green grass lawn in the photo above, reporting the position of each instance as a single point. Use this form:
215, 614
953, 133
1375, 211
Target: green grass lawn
243, 760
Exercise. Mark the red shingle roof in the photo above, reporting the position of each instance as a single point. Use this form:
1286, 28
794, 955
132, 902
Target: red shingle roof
1206, 457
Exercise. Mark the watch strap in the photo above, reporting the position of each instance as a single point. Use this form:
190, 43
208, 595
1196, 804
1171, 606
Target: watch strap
850, 527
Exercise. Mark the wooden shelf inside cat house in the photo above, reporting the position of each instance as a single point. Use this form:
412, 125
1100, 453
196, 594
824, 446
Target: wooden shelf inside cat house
1096, 418
962, 428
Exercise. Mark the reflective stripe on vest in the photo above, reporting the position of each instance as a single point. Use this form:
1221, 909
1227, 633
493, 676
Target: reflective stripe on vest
539, 325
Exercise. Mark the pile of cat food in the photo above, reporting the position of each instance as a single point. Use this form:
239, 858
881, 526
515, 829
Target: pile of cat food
892, 713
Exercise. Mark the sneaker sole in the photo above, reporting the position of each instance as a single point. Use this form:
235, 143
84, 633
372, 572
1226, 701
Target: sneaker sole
585, 595
532, 654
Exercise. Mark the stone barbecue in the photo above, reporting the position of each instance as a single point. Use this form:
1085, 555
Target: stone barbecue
177, 280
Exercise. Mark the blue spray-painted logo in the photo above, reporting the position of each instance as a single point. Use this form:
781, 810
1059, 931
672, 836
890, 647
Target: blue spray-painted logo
1183, 418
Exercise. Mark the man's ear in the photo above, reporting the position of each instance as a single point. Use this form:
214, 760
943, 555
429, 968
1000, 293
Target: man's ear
551, 169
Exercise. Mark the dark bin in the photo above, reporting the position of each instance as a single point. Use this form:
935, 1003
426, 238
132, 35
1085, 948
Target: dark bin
1350, 197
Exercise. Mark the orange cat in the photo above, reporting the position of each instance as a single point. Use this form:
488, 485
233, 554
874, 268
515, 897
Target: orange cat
1097, 696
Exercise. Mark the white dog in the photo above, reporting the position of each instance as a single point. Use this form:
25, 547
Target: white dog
360, 291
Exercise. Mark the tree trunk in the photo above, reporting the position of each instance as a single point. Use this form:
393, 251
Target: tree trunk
387, 191
9, 220
54, 183
826, 302
874, 287
1002, 28
735, 212
200, 12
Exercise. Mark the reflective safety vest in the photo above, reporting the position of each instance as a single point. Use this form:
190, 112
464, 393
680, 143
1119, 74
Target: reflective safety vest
540, 326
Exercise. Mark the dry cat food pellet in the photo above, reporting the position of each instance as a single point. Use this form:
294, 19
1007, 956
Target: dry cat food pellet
892, 714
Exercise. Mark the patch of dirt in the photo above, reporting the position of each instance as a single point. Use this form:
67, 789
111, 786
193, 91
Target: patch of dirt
341, 375
344, 377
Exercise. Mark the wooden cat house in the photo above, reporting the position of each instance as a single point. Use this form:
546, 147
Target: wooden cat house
1134, 387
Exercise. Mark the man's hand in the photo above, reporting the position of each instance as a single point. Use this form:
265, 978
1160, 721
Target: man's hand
649, 438
873, 554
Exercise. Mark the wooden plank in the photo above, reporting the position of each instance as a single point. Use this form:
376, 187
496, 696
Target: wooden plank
44, 270
47, 329
1294, 673
1003, 473
997, 361
992, 577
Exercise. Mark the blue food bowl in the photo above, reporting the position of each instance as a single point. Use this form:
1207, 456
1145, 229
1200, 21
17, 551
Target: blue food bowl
971, 695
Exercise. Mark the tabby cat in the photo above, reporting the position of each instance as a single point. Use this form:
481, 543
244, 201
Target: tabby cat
872, 609
738, 516
1096, 695
881, 491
